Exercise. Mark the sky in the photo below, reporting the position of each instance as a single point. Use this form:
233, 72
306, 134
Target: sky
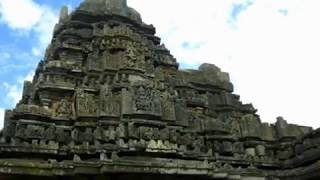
270, 48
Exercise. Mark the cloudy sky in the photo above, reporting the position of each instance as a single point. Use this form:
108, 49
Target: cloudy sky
271, 48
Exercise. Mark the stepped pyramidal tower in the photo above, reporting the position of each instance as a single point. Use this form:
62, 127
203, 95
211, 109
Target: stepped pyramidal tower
109, 102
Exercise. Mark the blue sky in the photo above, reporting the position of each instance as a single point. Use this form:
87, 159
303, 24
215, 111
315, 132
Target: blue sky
269, 47
22, 46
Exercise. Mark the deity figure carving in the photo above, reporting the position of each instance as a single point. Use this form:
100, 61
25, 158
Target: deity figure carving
62, 108
109, 103
133, 58
167, 105
143, 98
86, 104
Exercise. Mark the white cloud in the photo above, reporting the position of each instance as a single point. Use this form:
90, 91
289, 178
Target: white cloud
36, 52
27, 77
45, 28
28, 16
14, 93
20, 14
272, 58
4, 57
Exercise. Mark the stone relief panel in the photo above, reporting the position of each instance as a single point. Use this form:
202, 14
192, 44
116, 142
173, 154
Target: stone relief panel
34, 110
112, 59
91, 82
105, 134
168, 106
82, 135
146, 99
62, 108
134, 58
63, 134
127, 55
143, 98
94, 61
34, 132
109, 102
70, 55
86, 103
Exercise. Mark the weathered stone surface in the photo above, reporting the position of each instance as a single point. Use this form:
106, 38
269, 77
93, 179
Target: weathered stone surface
110, 7
109, 100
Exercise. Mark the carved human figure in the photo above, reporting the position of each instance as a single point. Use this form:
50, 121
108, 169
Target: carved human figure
82, 102
64, 108
143, 98
104, 95
86, 103
131, 57
109, 104
167, 103
134, 58
91, 103
105, 90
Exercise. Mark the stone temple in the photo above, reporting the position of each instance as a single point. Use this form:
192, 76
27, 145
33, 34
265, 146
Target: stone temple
109, 102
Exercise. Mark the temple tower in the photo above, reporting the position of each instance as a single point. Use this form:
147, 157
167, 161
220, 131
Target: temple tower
109, 101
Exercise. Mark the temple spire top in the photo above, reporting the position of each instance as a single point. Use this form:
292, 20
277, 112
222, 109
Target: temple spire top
116, 4
117, 7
